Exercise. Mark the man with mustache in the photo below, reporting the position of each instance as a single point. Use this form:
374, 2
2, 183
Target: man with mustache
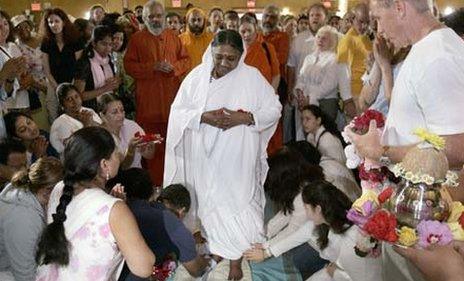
281, 42
157, 60
196, 38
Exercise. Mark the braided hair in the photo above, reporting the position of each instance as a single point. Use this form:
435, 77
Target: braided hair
82, 156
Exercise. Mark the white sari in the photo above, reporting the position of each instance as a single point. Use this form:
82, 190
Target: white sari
224, 170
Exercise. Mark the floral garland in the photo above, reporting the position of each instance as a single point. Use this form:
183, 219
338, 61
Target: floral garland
400, 171
378, 224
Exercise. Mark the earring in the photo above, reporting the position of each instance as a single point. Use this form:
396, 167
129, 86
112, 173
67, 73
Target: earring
107, 176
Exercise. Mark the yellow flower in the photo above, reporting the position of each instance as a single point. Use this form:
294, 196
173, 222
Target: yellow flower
407, 236
367, 196
457, 231
456, 209
436, 141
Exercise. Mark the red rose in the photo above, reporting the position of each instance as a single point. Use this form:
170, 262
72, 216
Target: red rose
461, 220
374, 175
382, 226
385, 194
361, 123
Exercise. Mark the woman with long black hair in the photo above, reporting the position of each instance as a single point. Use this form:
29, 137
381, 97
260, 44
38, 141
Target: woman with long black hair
90, 232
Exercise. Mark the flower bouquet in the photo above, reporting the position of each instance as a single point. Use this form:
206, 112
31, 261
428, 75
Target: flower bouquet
414, 214
372, 174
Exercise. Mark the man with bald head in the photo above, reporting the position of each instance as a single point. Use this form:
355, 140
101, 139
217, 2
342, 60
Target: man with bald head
156, 59
281, 42
196, 37
427, 93
354, 48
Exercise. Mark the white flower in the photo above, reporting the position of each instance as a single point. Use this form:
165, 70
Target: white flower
451, 179
352, 159
397, 170
408, 176
415, 179
347, 128
428, 179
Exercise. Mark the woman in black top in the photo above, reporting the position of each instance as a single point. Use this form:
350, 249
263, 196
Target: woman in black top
61, 47
94, 70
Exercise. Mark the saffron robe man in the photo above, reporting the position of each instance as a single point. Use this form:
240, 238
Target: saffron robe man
156, 59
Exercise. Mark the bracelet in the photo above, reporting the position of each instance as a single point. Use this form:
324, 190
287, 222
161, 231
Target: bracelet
252, 122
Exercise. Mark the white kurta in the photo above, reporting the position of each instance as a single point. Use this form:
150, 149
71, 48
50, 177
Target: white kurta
224, 170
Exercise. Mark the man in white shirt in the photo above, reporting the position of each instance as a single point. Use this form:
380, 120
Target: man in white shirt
302, 45
427, 93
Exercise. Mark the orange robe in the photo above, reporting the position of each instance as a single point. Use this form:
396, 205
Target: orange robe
196, 45
155, 90
269, 68
257, 57
281, 43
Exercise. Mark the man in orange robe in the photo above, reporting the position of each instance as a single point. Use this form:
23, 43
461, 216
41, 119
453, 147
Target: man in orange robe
196, 38
281, 43
156, 59
272, 35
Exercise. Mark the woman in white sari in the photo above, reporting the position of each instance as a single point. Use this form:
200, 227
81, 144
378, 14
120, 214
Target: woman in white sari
219, 126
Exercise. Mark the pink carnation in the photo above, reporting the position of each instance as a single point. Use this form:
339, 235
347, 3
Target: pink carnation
433, 232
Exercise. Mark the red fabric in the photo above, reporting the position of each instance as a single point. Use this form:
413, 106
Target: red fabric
155, 166
281, 43
155, 90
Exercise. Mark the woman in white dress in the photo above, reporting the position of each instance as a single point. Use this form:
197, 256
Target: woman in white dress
74, 116
319, 78
125, 132
328, 231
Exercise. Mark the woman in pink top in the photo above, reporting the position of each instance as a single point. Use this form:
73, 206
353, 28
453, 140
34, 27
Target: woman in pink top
90, 232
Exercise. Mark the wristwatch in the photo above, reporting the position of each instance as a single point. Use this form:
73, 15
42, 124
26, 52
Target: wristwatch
384, 159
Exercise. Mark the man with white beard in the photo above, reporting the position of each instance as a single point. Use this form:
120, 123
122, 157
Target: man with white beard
156, 59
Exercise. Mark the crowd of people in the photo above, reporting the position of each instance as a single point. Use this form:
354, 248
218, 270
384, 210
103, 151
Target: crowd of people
150, 145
